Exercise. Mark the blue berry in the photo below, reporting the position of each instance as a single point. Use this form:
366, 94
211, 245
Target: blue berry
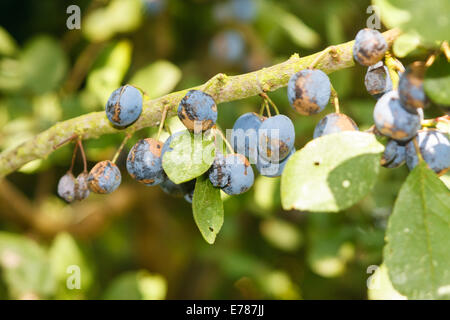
144, 162
394, 155
435, 149
81, 186
189, 196
228, 46
270, 169
392, 120
244, 136
104, 177
276, 138
153, 7
241, 176
197, 106
378, 80
244, 10
66, 187
309, 91
219, 173
124, 106
333, 123
370, 47
410, 87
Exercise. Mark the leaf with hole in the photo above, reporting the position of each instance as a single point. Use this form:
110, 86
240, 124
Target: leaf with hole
418, 237
331, 173
190, 157
207, 207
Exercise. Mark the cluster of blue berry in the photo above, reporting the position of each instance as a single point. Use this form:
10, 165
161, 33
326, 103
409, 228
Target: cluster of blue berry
398, 113
268, 141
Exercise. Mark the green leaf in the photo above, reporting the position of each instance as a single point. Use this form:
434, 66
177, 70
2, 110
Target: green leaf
207, 207
329, 245
44, 64
266, 195
391, 15
25, 267
8, 45
418, 235
119, 16
67, 262
405, 44
157, 79
281, 234
437, 82
140, 285
297, 30
429, 20
190, 157
380, 286
446, 179
109, 69
331, 173
342, 80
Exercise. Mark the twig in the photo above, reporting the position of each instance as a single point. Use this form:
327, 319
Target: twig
95, 124
330, 50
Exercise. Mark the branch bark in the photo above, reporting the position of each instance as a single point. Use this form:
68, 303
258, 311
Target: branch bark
223, 88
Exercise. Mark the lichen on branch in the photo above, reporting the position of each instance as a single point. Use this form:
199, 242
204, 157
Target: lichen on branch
223, 88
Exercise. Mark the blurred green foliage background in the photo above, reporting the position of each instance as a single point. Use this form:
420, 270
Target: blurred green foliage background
139, 243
